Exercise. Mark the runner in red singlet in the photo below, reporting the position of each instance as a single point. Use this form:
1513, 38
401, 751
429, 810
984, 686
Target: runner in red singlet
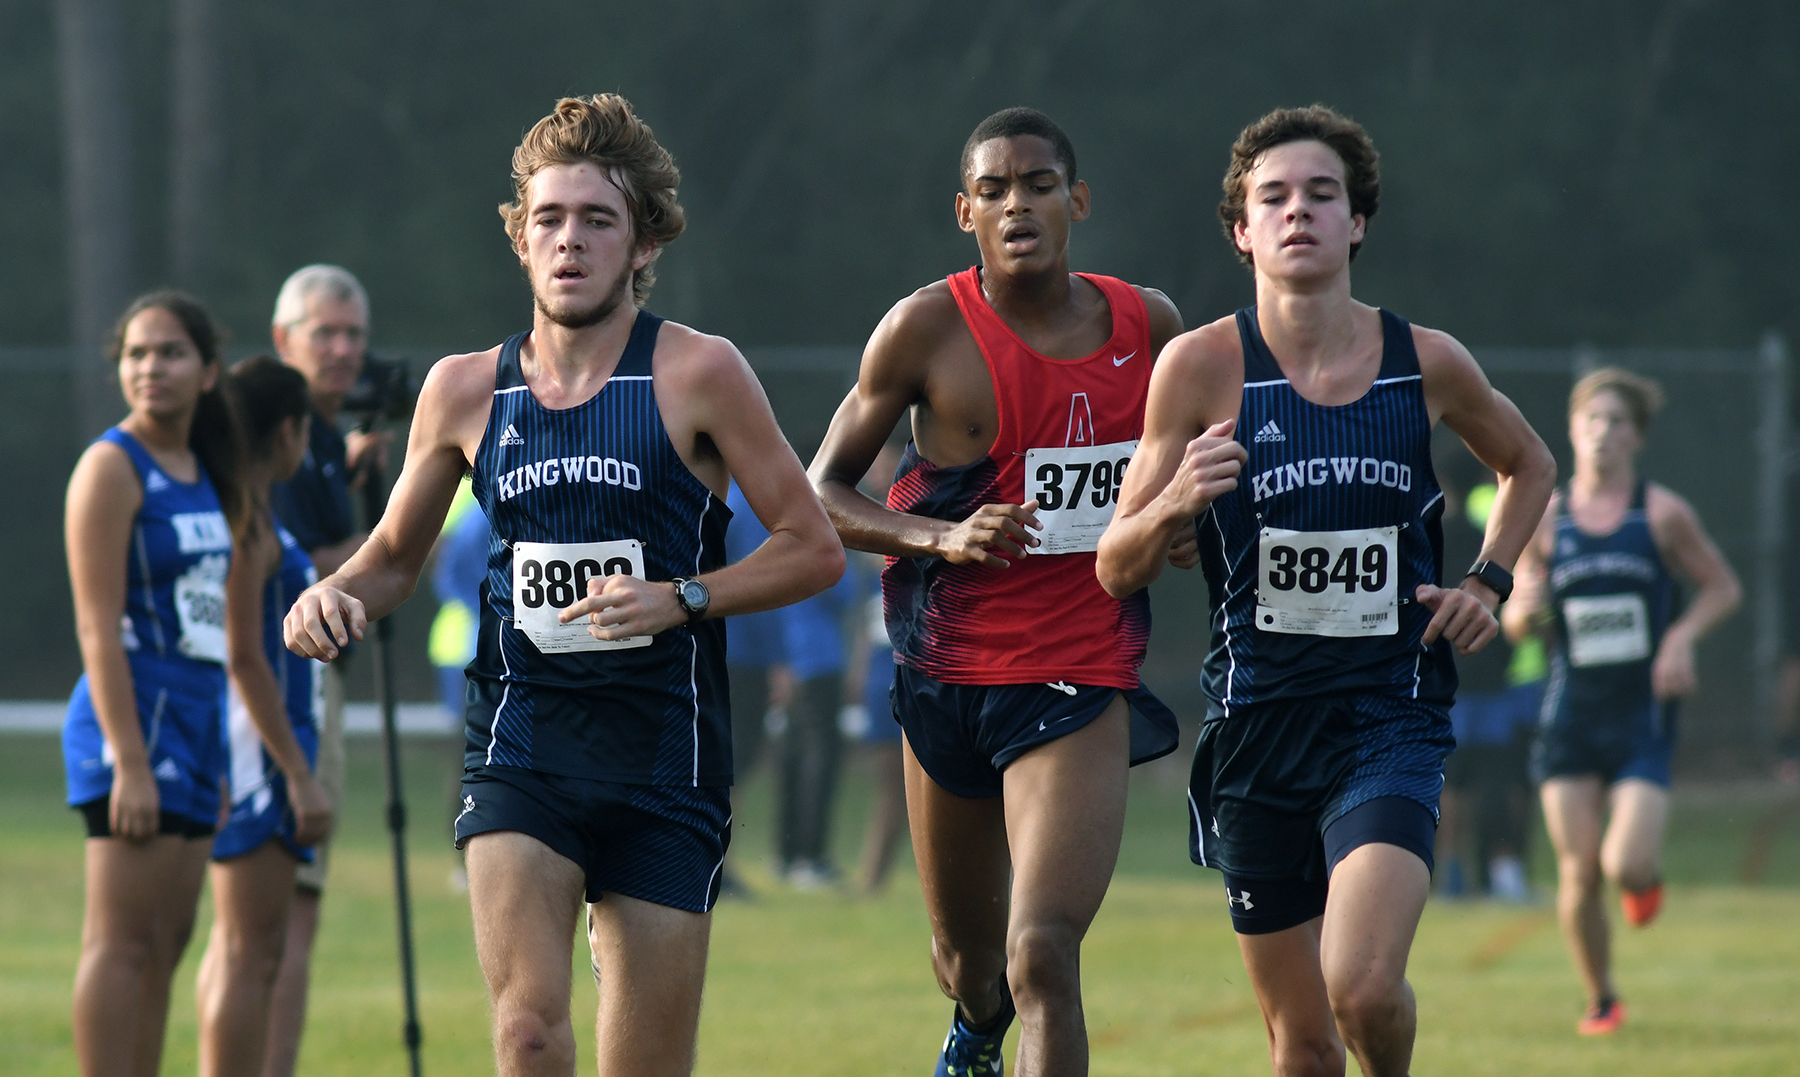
1017, 681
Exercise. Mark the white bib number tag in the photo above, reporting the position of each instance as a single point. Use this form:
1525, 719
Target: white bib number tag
200, 607
1076, 489
549, 577
1607, 630
1327, 583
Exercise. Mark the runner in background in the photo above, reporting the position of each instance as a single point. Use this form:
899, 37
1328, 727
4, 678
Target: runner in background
1598, 579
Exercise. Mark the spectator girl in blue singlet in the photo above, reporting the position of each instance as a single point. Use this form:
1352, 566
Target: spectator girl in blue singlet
148, 534
1597, 579
278, 807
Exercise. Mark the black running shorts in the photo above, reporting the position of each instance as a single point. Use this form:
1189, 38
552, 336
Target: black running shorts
662, 844
964, 735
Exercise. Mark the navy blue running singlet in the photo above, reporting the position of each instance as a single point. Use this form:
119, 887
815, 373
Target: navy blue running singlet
1312, 561
1613, 598
575, 494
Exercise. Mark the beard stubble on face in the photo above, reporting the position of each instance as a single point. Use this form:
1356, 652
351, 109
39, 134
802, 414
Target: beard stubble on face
582, 317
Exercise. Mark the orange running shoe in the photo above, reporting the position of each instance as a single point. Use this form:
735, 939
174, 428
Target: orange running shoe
1641, 906
1602, 1019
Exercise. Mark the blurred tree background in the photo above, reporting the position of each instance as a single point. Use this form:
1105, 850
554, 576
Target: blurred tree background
1612, 172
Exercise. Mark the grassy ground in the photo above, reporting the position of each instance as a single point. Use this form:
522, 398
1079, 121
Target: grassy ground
818, 984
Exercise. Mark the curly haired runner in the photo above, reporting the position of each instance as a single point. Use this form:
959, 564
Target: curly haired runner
1316, 778
1597, 580
598, 758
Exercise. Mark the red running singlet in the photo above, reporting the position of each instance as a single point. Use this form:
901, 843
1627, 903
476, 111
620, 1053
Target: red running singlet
1067, 430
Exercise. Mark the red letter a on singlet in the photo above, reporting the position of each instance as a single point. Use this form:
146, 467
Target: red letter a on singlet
1081, 422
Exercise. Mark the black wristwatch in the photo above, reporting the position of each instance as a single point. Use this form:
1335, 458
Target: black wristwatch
693, 597
1497, 578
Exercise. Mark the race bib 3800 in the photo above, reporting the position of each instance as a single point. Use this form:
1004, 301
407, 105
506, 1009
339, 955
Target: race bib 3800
549, 577
1076, 489
1328, 583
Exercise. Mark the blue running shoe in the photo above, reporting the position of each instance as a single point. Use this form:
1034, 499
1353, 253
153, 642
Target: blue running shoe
968, 1053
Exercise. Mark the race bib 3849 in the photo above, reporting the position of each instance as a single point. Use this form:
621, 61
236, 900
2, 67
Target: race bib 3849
1328, 583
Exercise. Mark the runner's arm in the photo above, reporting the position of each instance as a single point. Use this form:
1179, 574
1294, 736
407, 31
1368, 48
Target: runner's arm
802, 555
452, 409
1523, 614
1165, 325
1458, 394
893, 378
328, 559
1683, 541
255, 556
103, 500
1186, 459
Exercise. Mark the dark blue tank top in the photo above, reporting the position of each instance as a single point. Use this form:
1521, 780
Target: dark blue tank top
175, 574
301, 680
602, 471
1312, 561
173, 631
1612, 598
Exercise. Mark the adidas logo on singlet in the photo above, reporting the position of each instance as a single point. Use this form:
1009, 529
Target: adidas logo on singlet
1270, 432
155, 482
510, 436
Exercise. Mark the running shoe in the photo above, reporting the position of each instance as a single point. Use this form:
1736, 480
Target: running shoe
1602, 1019
1641, 906
968, 1053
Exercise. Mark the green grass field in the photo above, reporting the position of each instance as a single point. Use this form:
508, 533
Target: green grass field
820, 984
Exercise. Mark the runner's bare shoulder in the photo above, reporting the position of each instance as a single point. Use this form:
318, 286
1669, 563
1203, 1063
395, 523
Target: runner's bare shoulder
699, 364
1442, 355
916, 331
1164, 316
456, 396
1204, 364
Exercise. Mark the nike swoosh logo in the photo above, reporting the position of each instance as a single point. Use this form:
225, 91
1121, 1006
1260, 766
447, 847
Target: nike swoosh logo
1044, 725
1122, 362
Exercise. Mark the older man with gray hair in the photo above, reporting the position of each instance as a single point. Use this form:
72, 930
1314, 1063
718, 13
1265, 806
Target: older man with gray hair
321, 329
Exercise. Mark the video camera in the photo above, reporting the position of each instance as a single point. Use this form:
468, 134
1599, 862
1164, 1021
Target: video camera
384, 391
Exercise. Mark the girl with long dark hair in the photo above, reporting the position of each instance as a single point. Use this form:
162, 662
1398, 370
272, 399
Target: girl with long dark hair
150, 513
278, 808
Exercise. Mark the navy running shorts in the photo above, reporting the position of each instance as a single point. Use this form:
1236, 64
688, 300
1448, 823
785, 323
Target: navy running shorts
1269, 781
965, 735
656, 843
1264, 906
1642, 747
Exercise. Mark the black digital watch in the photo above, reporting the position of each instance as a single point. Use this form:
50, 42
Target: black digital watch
693, 597
1496, 577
